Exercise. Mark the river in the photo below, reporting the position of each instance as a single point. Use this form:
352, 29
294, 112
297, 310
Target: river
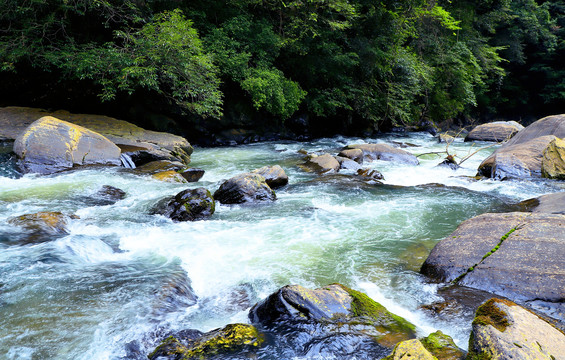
104, 285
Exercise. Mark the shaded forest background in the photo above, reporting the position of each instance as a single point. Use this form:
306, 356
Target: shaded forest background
304, 67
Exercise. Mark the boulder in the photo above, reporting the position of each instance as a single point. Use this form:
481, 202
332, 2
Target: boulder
322, 164
142, 145
353, 154
370, 175
50, 145
517, 160
505, 331
231, 339
157, 166
550, 125
385, 152
341, 309
516, 255
192, 174
442, 347
347, 164
495, 131
410, 350
107, 195
274, 175
176, 293
169, 176
553, 161
188, 205
42, 226
243, 188
550, 203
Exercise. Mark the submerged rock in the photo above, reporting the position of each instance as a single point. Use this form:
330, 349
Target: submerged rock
516, 255
231, 339
495, 131
169, 176
244, 188
107, 195
323, 164
51, 145
385, 152
274, 175
334, 310
410, 350
188, 205
175, 294
505, 331
42, 226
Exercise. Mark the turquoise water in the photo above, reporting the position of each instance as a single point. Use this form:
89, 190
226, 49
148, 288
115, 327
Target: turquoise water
107, 283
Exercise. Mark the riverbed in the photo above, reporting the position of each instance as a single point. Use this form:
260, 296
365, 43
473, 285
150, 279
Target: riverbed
101, 290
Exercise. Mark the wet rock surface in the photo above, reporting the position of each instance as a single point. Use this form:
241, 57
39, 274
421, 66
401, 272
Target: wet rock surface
503, 330
550, 203
384, 152
50, 145
244, 188
516, 255
41, 226
188, 205
274, 176
321, 164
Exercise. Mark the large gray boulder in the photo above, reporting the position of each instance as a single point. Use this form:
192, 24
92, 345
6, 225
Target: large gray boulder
550, 203
519, 160
323, 164
142, 145
385, 152
516, 255
50, 145
522, 155
274, 175
244, 188
503, 330
495, 131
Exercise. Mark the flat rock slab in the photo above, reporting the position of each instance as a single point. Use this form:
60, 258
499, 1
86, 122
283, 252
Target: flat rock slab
528, 265
550, 203
495, 131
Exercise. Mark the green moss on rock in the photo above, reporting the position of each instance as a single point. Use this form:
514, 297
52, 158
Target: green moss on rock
490, 314
442, 346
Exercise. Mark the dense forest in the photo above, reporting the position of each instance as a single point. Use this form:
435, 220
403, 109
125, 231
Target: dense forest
346, 66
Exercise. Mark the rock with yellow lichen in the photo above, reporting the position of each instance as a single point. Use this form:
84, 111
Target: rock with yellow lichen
231, 339
50, 145
169, 176
410, 350
44, 225
503, 330
244, 188
553, 161
332, 311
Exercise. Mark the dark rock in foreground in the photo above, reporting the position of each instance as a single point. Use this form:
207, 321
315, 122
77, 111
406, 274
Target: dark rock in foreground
244, 188
188, 205
51, 145
516, 255
494, 131
385, 152
274, 176
505, 331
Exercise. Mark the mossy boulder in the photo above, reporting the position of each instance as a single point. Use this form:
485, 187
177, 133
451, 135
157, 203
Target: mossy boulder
322, 164
231, 339
495, 131
169, 176
244, 188
49, 145
410, 350
385, 152
337, 308
505, 331
42, 226
145, 145
553, 160
274, 175
517, 255
188, 205
442, 346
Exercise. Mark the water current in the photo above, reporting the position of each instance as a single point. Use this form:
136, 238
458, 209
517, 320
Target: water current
102, 288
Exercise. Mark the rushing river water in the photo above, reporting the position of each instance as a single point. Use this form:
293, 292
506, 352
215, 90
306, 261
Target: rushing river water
88, 294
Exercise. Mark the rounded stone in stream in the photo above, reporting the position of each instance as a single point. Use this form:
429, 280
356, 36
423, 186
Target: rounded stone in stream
188, 205
332, 310
44, 225
192, 174
274, 175
243, 188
